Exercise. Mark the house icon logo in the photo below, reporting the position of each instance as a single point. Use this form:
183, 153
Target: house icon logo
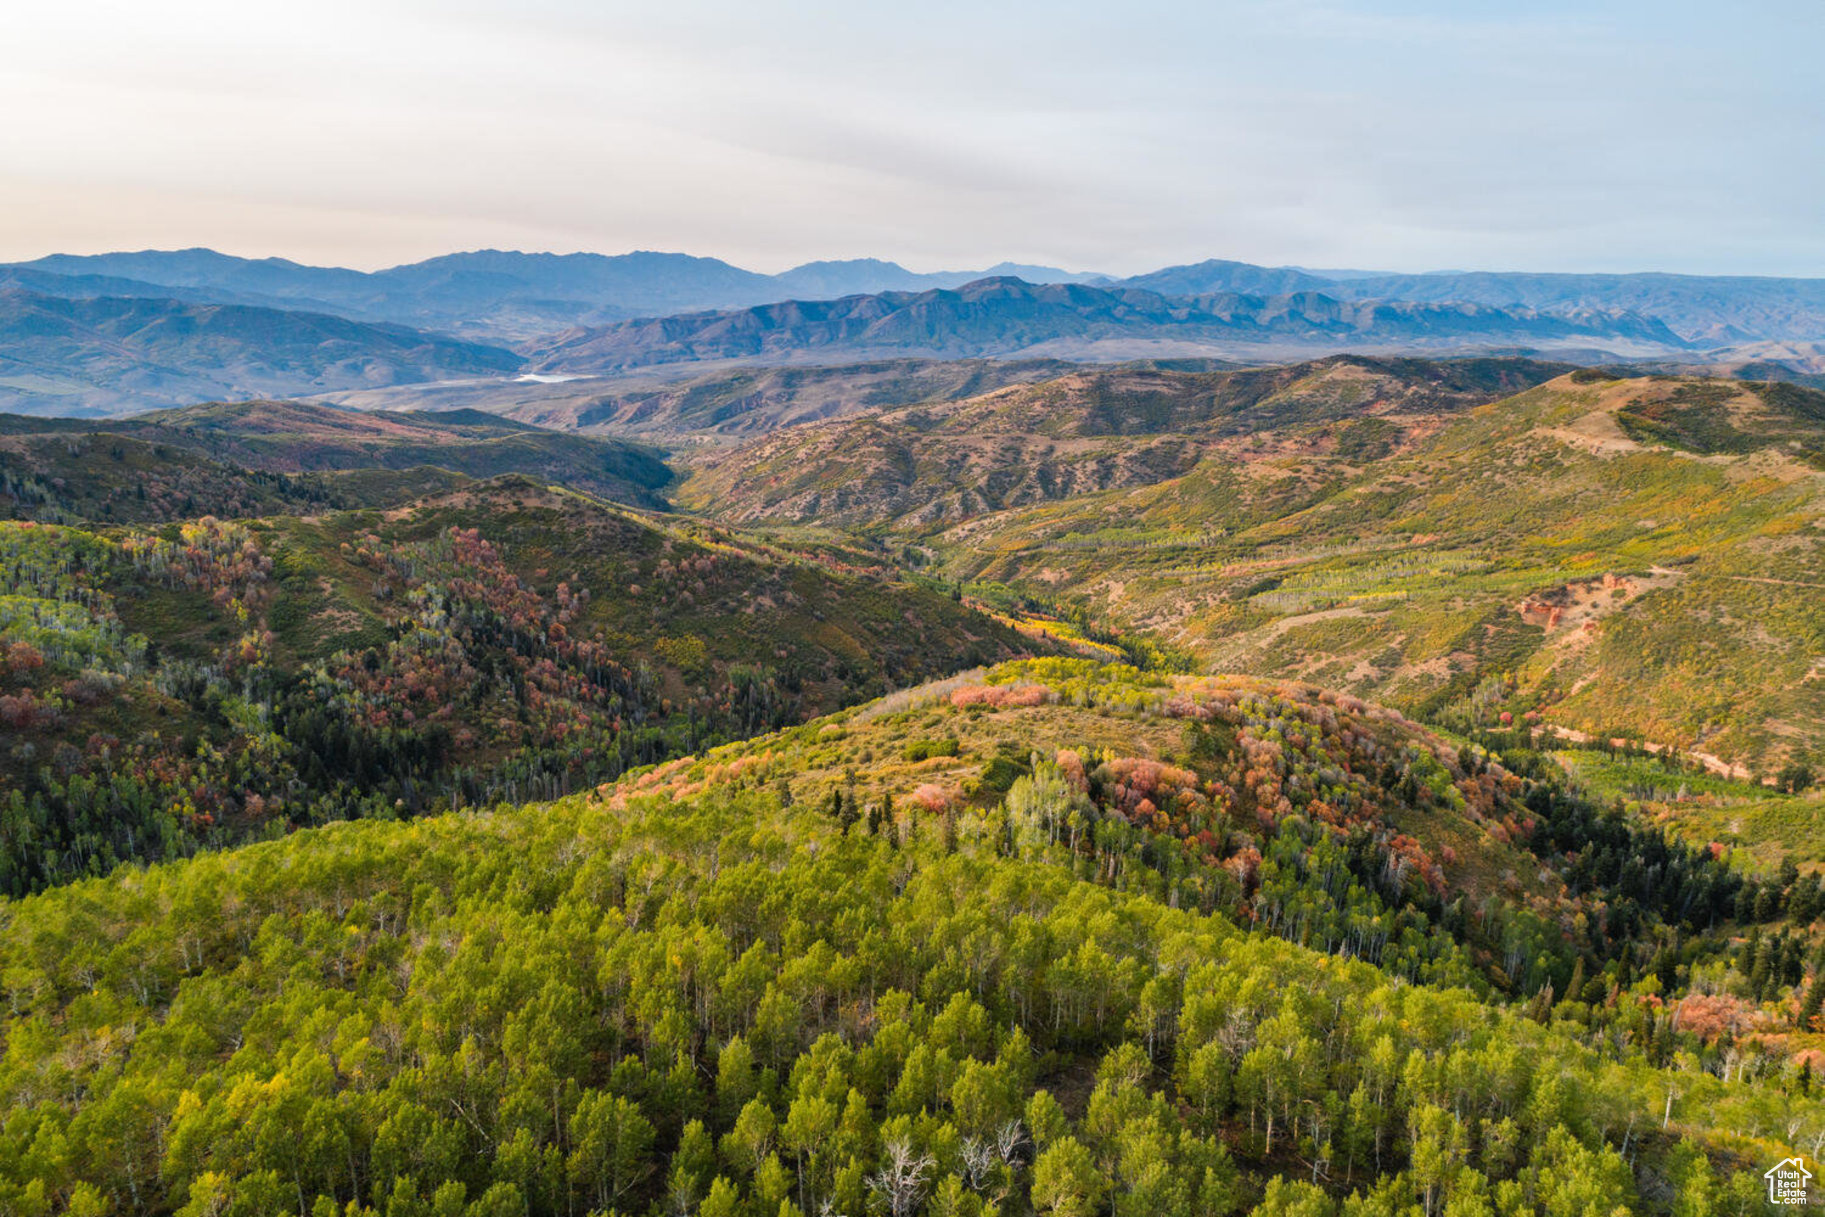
1787, 1181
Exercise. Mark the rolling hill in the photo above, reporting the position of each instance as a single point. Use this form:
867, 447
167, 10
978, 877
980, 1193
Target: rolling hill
1042, 939
95, 477
1012, 318
254, 458
213, 681
507, 296
1614, 557
293, 437
676, 402
1637, 556
380, 837
90, 286
114, 334
1217, 276
753, 401
263, 280
1713, 309
1094, 429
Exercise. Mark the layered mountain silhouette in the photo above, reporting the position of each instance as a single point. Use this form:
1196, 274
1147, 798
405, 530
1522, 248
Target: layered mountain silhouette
1009, 317
517, 296
489, 292
106, 354
1708, 308
114, 333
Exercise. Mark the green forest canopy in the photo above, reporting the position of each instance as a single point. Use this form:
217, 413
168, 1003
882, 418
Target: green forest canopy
712, 989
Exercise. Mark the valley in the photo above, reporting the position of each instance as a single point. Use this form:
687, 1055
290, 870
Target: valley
1012, 610
1370, 784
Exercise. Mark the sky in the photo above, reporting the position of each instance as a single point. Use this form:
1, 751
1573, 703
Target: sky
1091, 136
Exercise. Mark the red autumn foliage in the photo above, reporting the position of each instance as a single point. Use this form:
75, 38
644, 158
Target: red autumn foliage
20, 659
996, 697
1139, 788
933, 798
1709, 1015
23, 710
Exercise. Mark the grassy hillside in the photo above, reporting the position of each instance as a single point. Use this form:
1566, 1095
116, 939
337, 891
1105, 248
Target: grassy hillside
750, 401
210, 681
1697, 306
1766, 829
1614, 556
1092, 430
1244, 778
719, 403
684, 994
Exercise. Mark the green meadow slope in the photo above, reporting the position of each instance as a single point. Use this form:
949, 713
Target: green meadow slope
1094, 429
1635, 557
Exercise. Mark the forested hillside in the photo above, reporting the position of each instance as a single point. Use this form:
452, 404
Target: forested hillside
212, 681
267, 457
570, 730
982, 948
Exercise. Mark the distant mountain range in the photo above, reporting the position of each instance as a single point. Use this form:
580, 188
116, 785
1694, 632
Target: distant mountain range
486, 292
116, 333
1714, 310
115, 354
1005, 317
507, 296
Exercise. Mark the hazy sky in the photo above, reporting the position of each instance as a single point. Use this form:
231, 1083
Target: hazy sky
1106, 136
